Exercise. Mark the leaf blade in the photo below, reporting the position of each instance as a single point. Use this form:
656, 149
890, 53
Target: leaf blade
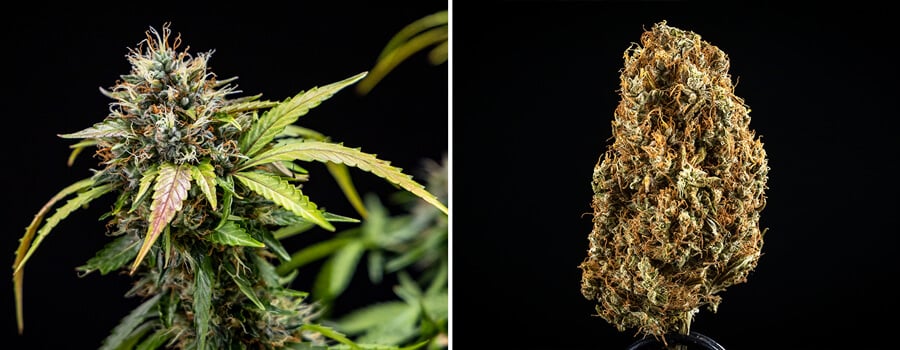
343, 267
233, 235
129, 323
144, 185
114, 255
284, 194
330, 333
61, 213
326, 152
276, 119
25, 243
108, 128
204, 176
203, 277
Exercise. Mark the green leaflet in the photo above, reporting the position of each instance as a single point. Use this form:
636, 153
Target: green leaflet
413, 38
204, 176
113, 256
77, 148
299, 131
170, 191
61, 213
146, 181
312, 253
117, 207
233, 235
330, 333
245, 288
305, 346
25, 242
155, 340
284, 194
396, 330
108, 128
264, 130
203, 276
376, 266
247, 106
129, 323
337, 153
416, 252
244, 285
363, 346
341, 174
274, 245
267, 273
440, 280
365, 318
136, 335
440, 53
437, 19
227, 184
292, 230
342, 266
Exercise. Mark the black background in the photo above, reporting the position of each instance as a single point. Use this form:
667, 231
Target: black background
56, 58
534, 90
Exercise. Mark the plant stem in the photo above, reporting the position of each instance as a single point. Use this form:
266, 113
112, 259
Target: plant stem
684, 329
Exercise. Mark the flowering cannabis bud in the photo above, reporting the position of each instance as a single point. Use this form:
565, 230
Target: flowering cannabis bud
677, 196
204, 182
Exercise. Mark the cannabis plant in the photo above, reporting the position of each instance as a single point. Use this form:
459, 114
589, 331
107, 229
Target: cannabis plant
205, 183
678, 194
411, 246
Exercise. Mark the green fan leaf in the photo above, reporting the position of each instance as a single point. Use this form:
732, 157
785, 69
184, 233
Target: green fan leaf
284, 194
170, 191
274, 120
25, 243
113, 256
108, 128
81, 200
233, 235
337, 153
204, 176
129, 323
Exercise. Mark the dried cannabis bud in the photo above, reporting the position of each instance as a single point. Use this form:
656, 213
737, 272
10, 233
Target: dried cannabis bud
677, 196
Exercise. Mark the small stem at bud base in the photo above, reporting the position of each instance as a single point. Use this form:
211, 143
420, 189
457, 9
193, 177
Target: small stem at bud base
684, 329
